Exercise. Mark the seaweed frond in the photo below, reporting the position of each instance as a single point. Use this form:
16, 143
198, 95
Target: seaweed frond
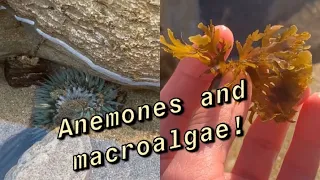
204, 47
280, 67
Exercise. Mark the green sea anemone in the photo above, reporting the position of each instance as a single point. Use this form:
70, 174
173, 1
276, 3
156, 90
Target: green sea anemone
73, 94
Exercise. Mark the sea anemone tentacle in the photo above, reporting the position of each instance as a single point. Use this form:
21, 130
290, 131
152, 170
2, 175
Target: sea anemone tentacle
71, 93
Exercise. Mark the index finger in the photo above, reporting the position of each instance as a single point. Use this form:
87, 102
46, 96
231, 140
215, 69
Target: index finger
187, 85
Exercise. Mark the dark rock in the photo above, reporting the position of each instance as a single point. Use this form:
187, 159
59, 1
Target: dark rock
23, 71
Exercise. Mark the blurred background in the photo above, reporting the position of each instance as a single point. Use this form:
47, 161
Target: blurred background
242, 17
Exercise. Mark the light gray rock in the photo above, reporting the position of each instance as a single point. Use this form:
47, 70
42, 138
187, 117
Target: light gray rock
51, 158
8, 129
137, 167
118, 40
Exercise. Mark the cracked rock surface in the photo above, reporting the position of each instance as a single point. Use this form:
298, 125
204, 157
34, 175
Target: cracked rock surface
121, 36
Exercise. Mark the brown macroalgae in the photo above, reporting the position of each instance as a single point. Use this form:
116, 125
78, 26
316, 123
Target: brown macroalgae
280, 67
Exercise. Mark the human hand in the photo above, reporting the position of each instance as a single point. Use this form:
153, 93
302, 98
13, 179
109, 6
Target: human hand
262, 142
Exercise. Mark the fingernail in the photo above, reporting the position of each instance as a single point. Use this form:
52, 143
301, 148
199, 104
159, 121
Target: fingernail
223, 27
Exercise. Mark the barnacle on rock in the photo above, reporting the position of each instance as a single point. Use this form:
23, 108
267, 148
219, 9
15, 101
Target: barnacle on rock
73, 94
280, 68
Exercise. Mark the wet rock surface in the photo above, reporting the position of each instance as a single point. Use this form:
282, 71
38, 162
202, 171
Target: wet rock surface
58, 153
51, 158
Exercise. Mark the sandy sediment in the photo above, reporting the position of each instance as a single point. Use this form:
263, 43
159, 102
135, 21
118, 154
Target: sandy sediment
15, 103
